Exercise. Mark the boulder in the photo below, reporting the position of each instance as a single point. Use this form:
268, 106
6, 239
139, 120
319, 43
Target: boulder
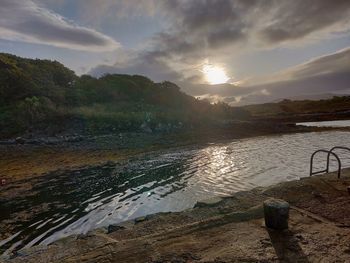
209, 202
20, 140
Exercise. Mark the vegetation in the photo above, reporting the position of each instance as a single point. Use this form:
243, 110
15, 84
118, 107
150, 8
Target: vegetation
41, 95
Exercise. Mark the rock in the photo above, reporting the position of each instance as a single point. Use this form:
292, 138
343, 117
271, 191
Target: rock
20, 140
300, 237
110, 163
160, 127
266, 242
4, 257
113, 228
316, 194
127, 224
209, 202
276, 212
140, 219
347, 250
30, 251
145, 127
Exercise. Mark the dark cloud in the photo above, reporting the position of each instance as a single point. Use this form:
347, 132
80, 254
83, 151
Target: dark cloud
26, 21
199, 15
209, 25
292, 20
224, 37
202, 26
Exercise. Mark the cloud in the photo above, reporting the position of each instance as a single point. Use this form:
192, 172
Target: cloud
334, 63
338, 62
329, 74
148, 64
26, 21
96, 12
212, 27
293, 20
195, 31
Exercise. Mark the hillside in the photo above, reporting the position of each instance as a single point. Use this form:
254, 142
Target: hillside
42, 96
286, 108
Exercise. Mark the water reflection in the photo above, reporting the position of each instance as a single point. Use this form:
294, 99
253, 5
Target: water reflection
66, 202
71, 202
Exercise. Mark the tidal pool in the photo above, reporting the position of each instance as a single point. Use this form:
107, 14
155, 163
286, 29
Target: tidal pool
62, 203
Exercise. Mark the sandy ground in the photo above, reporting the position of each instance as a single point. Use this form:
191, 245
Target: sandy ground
21, 162
223, 230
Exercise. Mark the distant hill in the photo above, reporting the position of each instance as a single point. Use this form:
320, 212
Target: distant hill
42, 95
311, 97
289, 107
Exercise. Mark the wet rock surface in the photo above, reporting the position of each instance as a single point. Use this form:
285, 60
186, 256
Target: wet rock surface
230, 230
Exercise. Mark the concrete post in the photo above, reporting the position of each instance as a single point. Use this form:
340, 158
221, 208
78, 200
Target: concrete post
276, 212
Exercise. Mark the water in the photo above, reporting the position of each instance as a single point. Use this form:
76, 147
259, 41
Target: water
344, 123
72, 202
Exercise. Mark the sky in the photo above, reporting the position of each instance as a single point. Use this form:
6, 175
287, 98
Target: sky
236, 51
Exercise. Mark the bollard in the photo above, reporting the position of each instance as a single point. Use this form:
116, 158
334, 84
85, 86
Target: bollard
276, 212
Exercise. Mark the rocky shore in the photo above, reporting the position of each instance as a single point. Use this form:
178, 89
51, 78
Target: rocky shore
28, 156
229, 130
150, 238
229, 229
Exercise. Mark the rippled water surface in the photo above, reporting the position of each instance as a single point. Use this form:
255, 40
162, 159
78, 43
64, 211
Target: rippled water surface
71, 202
342, 123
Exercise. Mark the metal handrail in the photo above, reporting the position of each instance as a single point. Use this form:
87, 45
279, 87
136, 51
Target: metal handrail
335, 148
327, 168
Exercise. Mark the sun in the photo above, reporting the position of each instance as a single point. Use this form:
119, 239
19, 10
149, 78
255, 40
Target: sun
214, 75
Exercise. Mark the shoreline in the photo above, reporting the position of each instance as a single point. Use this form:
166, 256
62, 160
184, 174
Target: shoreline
21, 161
226, 229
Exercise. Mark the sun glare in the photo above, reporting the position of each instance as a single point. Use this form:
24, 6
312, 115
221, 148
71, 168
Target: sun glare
215, 75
